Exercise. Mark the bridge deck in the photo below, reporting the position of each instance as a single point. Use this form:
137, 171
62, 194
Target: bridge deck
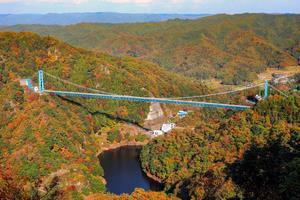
149, 100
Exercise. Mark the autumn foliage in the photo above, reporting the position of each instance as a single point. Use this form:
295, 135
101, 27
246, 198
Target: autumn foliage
252, 154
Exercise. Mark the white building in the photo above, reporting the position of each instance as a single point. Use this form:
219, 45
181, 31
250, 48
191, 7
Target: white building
168, 127
258, 97
24, 82
182, 114
36, 89
157, 133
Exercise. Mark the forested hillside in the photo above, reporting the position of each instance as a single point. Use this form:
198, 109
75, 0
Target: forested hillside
23, 54
232, 48
247, 155
47, 143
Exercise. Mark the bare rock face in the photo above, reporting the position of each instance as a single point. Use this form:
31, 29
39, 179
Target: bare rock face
155, 117
155, 112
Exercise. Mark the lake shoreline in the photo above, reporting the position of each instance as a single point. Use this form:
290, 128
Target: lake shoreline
130, 144
120, 145
152, 177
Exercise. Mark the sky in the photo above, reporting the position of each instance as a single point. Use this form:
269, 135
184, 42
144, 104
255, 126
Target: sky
150, 6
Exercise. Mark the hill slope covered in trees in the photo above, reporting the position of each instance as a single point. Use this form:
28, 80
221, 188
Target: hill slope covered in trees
47, 143
254, 154
25, 53
232, 48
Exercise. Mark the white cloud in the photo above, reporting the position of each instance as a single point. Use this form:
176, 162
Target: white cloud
153, 1
177, 1
46, 1
109, 1
8, 1
62, 1
79, 1
131, 1
198, 1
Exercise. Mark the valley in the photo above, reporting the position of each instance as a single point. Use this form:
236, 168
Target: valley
177, 109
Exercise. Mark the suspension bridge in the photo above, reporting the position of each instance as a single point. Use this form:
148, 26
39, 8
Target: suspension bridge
176, 101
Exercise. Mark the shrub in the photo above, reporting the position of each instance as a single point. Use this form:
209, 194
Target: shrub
30, 170
141, 137
112, 136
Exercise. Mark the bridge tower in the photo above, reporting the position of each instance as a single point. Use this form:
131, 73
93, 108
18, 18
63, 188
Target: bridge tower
41, 81
266, 89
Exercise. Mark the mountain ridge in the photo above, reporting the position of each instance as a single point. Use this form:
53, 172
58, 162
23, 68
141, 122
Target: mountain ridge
92, 17
231, 48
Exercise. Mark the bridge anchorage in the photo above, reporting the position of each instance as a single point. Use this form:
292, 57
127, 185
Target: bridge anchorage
176, 101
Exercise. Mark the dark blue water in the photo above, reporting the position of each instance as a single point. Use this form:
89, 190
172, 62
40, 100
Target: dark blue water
123, 173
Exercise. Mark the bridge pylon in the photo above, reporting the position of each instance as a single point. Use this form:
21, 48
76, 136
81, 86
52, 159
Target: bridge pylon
266, 89
41, 81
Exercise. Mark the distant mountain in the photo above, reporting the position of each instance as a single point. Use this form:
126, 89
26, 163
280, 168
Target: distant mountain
100, 17
231, 48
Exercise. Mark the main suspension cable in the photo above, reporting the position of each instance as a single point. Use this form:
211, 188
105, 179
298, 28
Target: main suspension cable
76, 85
220, 93
172, 98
